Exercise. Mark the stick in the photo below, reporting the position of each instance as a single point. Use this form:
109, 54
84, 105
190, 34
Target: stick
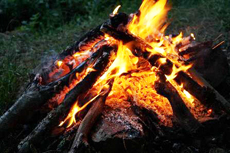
57, 114
81, 138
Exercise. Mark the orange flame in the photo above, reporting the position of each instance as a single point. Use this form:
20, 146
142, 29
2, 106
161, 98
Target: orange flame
75, 109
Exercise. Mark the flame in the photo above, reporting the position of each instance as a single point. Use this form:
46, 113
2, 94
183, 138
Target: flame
124, 62
175, 70
209, 111
59, 63
115, 11
150, 19
75, 109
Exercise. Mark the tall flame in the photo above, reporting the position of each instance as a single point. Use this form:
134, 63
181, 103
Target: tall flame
149, 19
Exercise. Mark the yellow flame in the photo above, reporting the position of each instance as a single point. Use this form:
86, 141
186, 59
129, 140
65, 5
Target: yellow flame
152, 17
59, 63
115, 11
75, 109
175, 70
124, 62
138, 82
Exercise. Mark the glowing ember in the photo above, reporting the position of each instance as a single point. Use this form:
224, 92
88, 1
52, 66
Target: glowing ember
209, 111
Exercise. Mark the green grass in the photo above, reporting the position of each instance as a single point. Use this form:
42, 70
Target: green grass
207, 19
21, 51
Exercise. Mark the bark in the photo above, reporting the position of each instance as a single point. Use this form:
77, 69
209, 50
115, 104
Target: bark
56, 115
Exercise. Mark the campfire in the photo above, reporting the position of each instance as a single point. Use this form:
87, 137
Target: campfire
123, 80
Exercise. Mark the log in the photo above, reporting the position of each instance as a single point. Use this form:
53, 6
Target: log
182, 114
57, 115
37, 95
81, 138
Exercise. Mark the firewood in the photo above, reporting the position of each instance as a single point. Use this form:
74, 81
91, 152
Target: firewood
37, 95
91, 36
180, 111
135, 44
56, 115
87, 123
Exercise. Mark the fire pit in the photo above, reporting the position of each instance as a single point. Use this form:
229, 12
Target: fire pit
126, 86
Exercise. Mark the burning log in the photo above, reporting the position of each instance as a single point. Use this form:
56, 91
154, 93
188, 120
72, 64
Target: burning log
56, 115
180, 111
87, 123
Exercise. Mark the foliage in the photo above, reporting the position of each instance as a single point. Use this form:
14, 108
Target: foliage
44, 15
